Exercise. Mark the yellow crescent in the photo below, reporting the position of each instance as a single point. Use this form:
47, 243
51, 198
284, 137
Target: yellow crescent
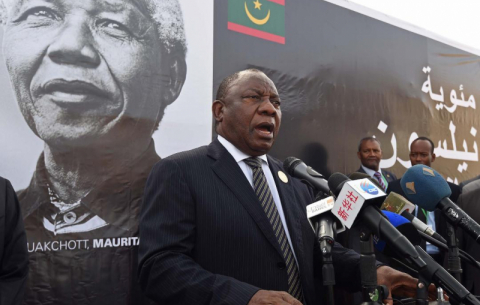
255, 20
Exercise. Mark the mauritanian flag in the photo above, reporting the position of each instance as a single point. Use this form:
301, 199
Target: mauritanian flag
264, 19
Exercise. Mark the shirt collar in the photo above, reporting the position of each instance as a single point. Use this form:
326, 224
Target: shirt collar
116, 200
371, 172
236, 153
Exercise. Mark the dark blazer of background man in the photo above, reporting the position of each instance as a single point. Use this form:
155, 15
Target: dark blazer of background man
370, 154
421, 152
205, 238
469, 201
13, 247
463, 183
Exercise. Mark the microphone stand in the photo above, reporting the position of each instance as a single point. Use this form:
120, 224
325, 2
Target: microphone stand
372, 293
454, 264
422, 290
324, 230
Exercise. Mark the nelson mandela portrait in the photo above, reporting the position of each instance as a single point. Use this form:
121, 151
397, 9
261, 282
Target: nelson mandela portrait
92, 79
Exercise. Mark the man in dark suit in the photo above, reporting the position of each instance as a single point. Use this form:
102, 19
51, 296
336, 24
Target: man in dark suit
421, 152
370, 154
223, 224
469, 202
13, 247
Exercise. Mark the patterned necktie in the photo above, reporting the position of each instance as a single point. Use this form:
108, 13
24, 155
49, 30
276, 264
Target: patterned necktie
380, 180
265, 197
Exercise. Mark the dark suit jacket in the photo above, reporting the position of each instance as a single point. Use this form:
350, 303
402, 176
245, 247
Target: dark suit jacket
389, 176
469, 201
205, 239
13, 247
440, 220
462, 184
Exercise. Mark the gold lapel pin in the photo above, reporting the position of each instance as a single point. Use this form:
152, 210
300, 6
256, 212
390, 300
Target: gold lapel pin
282, 177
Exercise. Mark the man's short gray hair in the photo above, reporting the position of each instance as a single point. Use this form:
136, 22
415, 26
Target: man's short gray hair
166, 14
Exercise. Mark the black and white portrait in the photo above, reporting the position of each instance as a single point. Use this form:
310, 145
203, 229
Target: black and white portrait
92, 80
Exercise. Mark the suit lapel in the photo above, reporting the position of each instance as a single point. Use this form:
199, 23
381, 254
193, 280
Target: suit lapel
227, 169
293, 215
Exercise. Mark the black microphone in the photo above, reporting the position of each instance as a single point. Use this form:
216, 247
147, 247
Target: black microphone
298, 169
422, 227
325, 227
367, 198
440, 277
397, 202
432, 271
427, 189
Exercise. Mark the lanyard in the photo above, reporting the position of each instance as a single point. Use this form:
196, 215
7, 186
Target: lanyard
426, 214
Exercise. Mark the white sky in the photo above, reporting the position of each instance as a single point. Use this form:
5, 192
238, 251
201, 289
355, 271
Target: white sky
456, 20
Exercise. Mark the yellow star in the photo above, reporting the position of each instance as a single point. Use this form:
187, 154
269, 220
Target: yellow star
257, 4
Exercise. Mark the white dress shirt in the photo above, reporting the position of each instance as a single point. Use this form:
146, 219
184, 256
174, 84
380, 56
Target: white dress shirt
371, 173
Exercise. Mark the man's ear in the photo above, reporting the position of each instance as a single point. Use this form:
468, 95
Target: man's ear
176, 71
359, 155
433, 157
218, 107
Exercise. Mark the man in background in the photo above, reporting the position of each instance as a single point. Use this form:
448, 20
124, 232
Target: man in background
422, 152
92, 79
370, 154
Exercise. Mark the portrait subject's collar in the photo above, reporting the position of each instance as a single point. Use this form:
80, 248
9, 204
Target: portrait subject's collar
116, 199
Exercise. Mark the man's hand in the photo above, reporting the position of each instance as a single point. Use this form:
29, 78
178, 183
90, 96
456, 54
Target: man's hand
400, 283
268, 297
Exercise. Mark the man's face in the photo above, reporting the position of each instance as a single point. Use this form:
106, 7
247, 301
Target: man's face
370, 154
251, 114
84, 71
421, 153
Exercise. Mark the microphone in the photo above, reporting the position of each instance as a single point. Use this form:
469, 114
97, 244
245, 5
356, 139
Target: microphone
298, 169
422, 227
426, 188
399, 205
361, 198
319, 213
404, 226
432, 271
324, 226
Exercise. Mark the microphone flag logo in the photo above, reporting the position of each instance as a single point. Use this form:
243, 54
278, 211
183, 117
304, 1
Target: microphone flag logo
411, 188
428, 172
368, 188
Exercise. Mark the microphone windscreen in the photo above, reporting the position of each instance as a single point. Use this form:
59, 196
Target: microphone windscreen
335, 182
395, 219
289, 164
424, 186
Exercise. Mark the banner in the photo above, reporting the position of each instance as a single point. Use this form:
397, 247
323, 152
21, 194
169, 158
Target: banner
93, 94
343, 76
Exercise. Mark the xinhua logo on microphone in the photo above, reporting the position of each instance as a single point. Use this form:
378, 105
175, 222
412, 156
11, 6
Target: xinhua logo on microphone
369, 188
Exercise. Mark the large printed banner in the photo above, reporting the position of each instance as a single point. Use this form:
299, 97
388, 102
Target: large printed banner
344, 76
94, 92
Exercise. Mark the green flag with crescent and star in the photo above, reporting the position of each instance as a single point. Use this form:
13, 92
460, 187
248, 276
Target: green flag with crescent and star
264, 19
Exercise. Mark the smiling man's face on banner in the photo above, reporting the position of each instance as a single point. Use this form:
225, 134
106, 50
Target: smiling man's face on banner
89, 72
